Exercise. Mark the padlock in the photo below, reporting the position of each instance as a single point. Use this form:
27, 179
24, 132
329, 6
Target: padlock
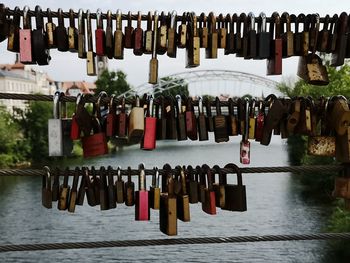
162, 35
311, 69
191, 124
154, 191
338, 55
301, 39
142, 212
13, 35
208, 204
287, 37
182, 199
212, 50
129, 190
25, 39
252, 121
171, 122
260, 119
235, 195
230, 38
56, 185
120, 187
5, 22
148, 141
95, 144
122, 120
90, 55
339, 115
60, 143
172, 36
210, 119
304, 126
119, 37
40, 53
323, 36
111, 119
62, 203
72, 33
232, 119
294, 116
148, 36
153, 64
192, 185
100, 35
112, 202
200, 178
167, 208
203, 31
128, 32
103, 191
219, 188
161, 120
202, 122
220, 124
136, 122
274, 63
61, 33
263, 38
50, 31
250, 48
193, 44
314, 31
244, 150
138, 37
222, 32
109, 47
182, 32
46, 192
89, 188
81, 35
81, 190
238, 35
96, 182
181, 121
74, 191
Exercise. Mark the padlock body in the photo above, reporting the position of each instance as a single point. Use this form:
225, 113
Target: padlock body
25, 46
168, 215
209, 203
100, 40
235, 198
142, 212
149, 138
94, 145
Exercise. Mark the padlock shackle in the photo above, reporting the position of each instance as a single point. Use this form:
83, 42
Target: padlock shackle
81, 22
110, 175
99, 21
142, 177
109, 19
118, 20
202, 20
217, 106
200, 106
65, 177
39, 21
211, 23
119, 174
182, 180
173, 17
231, 110
190, 173
75, 179
86, 177
209, 176
97, 110
229, 24
222, 175
179, 104
47, 178
236, 170
129, 174
150, 111
102, 178
26, 18
60, 18
251, 23
71, 18
56, 105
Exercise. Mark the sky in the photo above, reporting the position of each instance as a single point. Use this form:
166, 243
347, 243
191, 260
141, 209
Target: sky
66, 66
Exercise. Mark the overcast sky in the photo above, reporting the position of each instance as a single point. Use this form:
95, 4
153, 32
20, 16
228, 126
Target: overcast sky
67, 66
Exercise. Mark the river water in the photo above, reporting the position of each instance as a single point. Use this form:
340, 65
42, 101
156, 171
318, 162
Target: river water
275, 206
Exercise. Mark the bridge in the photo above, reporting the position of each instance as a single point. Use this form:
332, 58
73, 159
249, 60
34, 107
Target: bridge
212, 82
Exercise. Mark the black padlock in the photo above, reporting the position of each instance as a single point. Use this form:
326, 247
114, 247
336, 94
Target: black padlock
220, 124
61, 33
181, 121
235, 195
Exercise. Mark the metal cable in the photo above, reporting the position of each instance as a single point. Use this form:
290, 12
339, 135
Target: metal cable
174, 241
135, 172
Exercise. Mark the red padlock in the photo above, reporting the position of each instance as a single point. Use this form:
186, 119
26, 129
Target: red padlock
209, 203
274, 63
111, 126
100, 35
95, 144
142, 208
25, 39
75, 128
149, 138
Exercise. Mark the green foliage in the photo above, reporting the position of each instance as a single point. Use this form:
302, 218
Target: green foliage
112, 82
13, 148
339, 82
178, 86
34, 125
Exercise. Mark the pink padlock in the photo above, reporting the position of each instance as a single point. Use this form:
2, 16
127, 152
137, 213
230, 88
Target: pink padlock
25, 39
142, 208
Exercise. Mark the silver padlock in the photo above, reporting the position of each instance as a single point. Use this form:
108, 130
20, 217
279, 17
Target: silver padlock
60, 143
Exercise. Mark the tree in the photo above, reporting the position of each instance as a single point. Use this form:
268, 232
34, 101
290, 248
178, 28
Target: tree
112, 82
175, 87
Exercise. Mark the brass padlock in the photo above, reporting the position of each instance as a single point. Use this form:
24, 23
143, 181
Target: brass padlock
311, 69
154, 191
153, 64
81, 35
90, 55
212, 50
193, 44
118, 37
172, 36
